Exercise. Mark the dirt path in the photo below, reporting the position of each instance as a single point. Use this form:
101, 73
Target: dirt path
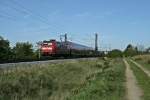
141, 67
133, 90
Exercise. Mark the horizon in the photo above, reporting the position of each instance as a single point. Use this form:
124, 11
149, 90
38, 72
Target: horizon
118, 23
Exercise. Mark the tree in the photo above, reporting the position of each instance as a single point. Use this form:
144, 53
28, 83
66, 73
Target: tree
115, 53
148, 50
130, 50
23, 51
5, 50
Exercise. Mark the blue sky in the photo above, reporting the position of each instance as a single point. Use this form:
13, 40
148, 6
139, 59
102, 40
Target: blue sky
118, 22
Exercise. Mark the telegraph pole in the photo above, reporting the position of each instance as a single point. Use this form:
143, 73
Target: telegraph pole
65, 37
96, 42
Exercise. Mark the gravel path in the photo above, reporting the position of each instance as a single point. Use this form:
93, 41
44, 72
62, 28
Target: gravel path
133, 90
141, 67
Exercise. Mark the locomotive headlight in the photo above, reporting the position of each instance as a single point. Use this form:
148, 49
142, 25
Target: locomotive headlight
49, 48
43, 48
50, 44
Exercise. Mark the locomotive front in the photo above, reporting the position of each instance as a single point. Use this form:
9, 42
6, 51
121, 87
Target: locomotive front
48, 48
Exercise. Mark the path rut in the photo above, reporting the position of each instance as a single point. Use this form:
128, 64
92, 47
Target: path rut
133, 90
141, 67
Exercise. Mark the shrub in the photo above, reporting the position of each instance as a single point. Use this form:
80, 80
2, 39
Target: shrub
115, 53
148, 61
137, 59
99, 65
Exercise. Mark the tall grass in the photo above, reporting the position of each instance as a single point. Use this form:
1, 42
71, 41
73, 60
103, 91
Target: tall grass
144, 60
106, 85
77, 79
49, 81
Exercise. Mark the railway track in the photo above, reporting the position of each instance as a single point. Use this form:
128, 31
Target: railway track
12, 65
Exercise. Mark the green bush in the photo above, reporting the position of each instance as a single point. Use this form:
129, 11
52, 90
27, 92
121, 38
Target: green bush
148, 61
115, 53
138, 58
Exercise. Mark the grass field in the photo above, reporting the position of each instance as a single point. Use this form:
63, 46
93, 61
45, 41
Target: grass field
144, 60
77, 80
108, 85
143, 80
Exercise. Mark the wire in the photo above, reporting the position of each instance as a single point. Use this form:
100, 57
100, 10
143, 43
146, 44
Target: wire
38, 16
28, 11
24, 10
7, 17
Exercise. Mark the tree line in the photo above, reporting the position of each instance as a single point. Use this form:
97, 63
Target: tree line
23, 51
128, 52
20, 52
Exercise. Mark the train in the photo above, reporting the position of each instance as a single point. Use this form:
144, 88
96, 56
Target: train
55, 48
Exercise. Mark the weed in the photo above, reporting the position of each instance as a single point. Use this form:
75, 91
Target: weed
148, 61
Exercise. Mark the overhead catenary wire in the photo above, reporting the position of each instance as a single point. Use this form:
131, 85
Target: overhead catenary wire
24, 10
4, 15
7, 17
35, 15
29, 11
